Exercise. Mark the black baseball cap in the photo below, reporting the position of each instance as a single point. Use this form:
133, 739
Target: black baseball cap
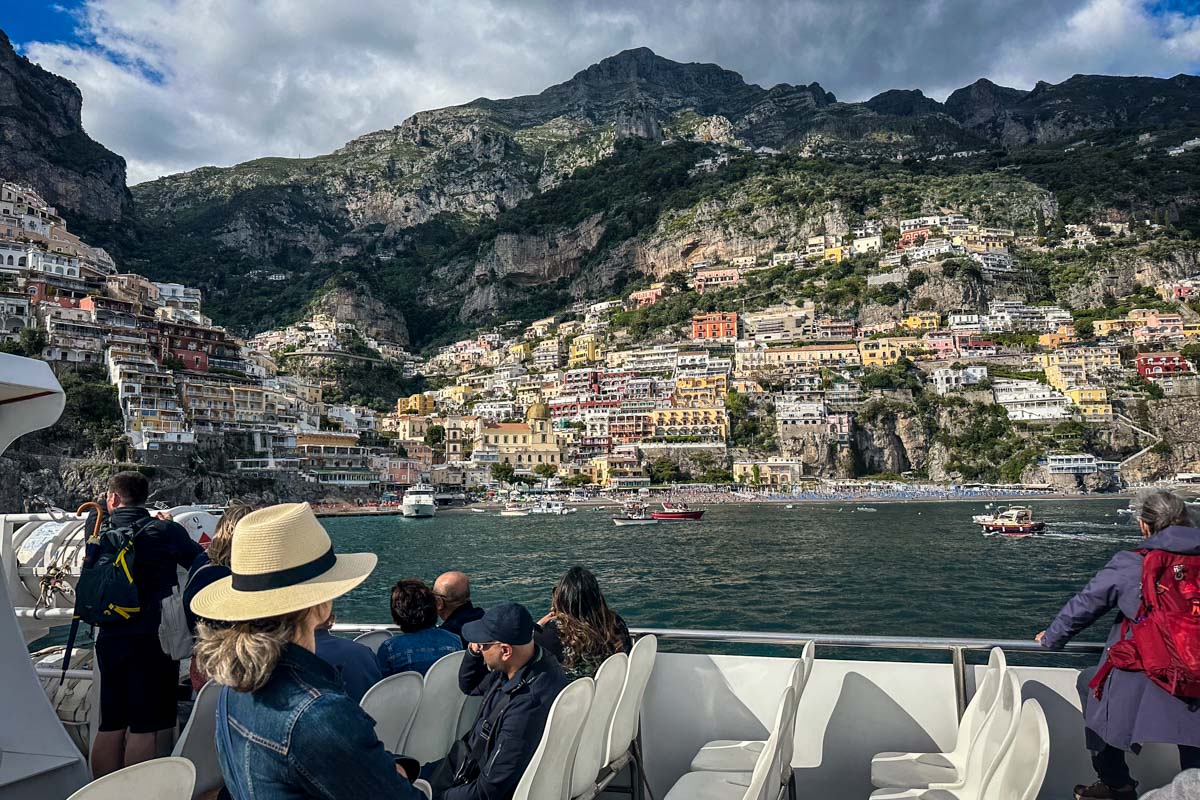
508, 623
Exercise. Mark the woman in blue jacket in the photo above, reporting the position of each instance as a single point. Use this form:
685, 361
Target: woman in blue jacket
1132, 710
285, 727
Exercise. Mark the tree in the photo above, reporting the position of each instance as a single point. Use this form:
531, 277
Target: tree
503, 472
664, 470
545, 471
33, 342
577, 481
435, 436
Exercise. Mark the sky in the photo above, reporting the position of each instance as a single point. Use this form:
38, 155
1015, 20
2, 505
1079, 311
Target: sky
176, 84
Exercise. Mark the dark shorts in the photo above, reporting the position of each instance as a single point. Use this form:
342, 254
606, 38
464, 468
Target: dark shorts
138, 684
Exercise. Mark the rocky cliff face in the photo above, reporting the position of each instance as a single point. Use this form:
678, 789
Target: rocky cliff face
1119, 272
347, 300
43, 144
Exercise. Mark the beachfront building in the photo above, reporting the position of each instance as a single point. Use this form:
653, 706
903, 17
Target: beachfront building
334, 458
776, 471
1078, 464
620, 469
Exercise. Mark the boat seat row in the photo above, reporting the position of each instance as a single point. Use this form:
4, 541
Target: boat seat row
728, 769
1002, 750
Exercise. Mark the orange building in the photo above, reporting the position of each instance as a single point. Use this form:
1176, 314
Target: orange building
719, 326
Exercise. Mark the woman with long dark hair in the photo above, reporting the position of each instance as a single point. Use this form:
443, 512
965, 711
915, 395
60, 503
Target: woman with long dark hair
581, 630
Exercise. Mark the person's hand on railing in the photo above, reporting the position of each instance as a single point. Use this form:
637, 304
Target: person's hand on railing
1039, 637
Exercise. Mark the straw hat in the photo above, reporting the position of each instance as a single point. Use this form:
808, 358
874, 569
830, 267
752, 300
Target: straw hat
282, 561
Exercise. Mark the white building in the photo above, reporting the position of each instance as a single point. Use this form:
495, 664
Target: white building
947, 379
1030, 401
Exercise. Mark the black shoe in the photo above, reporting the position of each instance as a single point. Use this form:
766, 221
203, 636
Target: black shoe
1102, 791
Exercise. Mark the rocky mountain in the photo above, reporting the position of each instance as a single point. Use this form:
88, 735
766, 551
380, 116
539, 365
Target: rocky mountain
43, 144
508, 208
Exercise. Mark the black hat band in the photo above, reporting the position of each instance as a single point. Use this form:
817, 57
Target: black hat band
281, 578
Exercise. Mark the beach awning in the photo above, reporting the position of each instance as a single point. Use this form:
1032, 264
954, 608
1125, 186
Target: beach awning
30, 397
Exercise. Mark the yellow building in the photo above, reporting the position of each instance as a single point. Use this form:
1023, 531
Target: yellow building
457, 395
620, 469
922, 321
518, 352
703, 390
1110, 327
886, 351
415, 404
1076, 366
524, 444
1191, 330
710, 423
1063, 336
835, 254
585, 349
794, 359
1092, 402
775, 471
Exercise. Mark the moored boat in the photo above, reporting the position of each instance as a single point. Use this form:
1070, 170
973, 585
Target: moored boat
514, 510
677, 511
1013, 521
418, 501
634, 514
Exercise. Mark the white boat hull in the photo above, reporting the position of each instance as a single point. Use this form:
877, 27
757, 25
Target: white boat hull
619, 521
418, 509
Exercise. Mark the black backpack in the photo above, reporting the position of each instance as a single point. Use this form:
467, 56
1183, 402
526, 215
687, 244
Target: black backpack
105, 595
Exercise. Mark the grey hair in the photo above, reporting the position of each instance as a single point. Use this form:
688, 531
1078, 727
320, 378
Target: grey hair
1161, 509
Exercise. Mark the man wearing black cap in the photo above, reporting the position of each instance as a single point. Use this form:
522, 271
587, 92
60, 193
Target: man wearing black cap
518, 681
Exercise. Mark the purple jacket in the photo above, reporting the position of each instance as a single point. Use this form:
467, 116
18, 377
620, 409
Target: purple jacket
1133, 710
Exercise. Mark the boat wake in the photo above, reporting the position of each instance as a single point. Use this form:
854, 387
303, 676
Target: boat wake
1089, 537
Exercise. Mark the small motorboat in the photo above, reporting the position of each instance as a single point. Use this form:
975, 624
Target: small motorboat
552, 507
789, 505
1015, 521
479, 510
676, 511
635, 514
514, 510
866, 509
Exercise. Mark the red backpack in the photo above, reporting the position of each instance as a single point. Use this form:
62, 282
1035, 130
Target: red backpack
1166, 634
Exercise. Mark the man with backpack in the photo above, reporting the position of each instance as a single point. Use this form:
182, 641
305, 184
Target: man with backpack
1148, 686
138, 682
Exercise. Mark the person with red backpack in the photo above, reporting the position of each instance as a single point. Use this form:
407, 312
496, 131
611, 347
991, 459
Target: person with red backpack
1147, 688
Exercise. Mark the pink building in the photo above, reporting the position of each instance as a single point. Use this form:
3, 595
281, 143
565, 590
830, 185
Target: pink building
645, 297
941, 344
707, 278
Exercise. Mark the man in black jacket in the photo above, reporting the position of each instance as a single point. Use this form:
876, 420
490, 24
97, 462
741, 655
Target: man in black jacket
519, 682
452, 594
138, 681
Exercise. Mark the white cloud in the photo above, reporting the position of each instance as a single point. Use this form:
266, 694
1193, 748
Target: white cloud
176, 84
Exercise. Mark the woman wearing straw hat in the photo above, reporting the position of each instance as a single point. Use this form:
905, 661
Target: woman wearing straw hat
285, 727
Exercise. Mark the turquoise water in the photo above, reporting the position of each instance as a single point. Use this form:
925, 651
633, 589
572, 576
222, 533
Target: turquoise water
911, 569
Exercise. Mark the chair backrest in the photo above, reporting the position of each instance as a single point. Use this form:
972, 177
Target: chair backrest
624, 723
787, 734
435, 726
1023, 768
198, 741
993, 742
764, 783
980, 708
163, 777
593, 740
468, 714
373, 639
549, 771
392, 703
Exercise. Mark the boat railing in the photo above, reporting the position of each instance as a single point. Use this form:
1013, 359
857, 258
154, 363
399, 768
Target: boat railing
957, 648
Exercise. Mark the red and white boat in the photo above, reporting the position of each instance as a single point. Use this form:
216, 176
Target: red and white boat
676, 511
1013, 521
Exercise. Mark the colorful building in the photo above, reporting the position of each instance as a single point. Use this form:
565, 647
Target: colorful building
1160, 365
719, 326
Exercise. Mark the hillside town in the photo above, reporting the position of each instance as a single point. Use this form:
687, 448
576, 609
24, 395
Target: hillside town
733, 396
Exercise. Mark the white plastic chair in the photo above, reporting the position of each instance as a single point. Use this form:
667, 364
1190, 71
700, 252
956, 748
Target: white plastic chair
593, 740
916, 770
624, 726
393, 703
435, 725
549, 772
740, 755
469, 713
373, 639
198, 741
993, 742
166, 778
762, 783
1023, 768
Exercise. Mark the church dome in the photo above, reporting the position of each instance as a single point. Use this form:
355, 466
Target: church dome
537, 411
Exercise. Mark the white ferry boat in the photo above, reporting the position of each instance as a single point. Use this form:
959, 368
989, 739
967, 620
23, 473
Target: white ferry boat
552, 507
418, 501
706, 690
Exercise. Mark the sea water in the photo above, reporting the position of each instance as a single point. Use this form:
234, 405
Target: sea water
905, 569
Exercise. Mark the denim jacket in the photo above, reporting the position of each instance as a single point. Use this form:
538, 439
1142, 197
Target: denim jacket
300, 736
416, 651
